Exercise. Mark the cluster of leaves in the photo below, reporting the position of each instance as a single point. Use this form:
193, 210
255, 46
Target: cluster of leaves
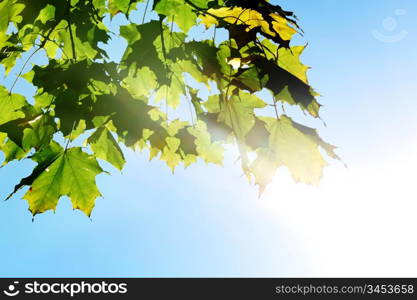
82, 94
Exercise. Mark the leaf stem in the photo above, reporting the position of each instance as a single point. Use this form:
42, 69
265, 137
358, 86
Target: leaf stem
187, 90
144, 13
70, 136
172, 25
276, 109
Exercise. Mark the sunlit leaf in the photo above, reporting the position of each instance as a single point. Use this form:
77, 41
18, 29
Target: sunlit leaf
175, 94
71, 173
106, 147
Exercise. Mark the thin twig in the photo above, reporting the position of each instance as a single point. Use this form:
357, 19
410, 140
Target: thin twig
187, 92
46, 37
144, 13
59, 46
263, 47
21, 71
74, 55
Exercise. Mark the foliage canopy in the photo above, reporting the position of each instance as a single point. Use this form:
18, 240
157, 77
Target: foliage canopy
82, 94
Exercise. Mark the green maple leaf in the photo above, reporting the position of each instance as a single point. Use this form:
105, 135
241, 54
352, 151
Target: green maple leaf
264, 168
10, 105
10, 12
61, 172
130, 33
238, 112
177, 11
39, 132
12, 151
171, 93
142, 51
294, 146
106, 147
289, 59
116, 6
296, 151
140, 82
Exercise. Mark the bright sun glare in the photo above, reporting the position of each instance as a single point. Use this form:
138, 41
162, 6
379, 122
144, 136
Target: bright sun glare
361, 221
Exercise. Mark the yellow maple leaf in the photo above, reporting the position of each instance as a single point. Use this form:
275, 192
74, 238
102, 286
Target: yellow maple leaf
251, 18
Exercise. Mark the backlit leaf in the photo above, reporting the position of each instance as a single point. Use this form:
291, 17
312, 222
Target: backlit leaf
180, 91
106, 147
72, 173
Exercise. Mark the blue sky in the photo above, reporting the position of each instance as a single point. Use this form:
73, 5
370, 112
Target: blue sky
208, 221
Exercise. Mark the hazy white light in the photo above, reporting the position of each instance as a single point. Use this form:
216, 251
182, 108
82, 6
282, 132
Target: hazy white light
361, 221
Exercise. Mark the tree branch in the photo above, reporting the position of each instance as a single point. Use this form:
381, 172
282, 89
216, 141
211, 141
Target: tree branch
74, 55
